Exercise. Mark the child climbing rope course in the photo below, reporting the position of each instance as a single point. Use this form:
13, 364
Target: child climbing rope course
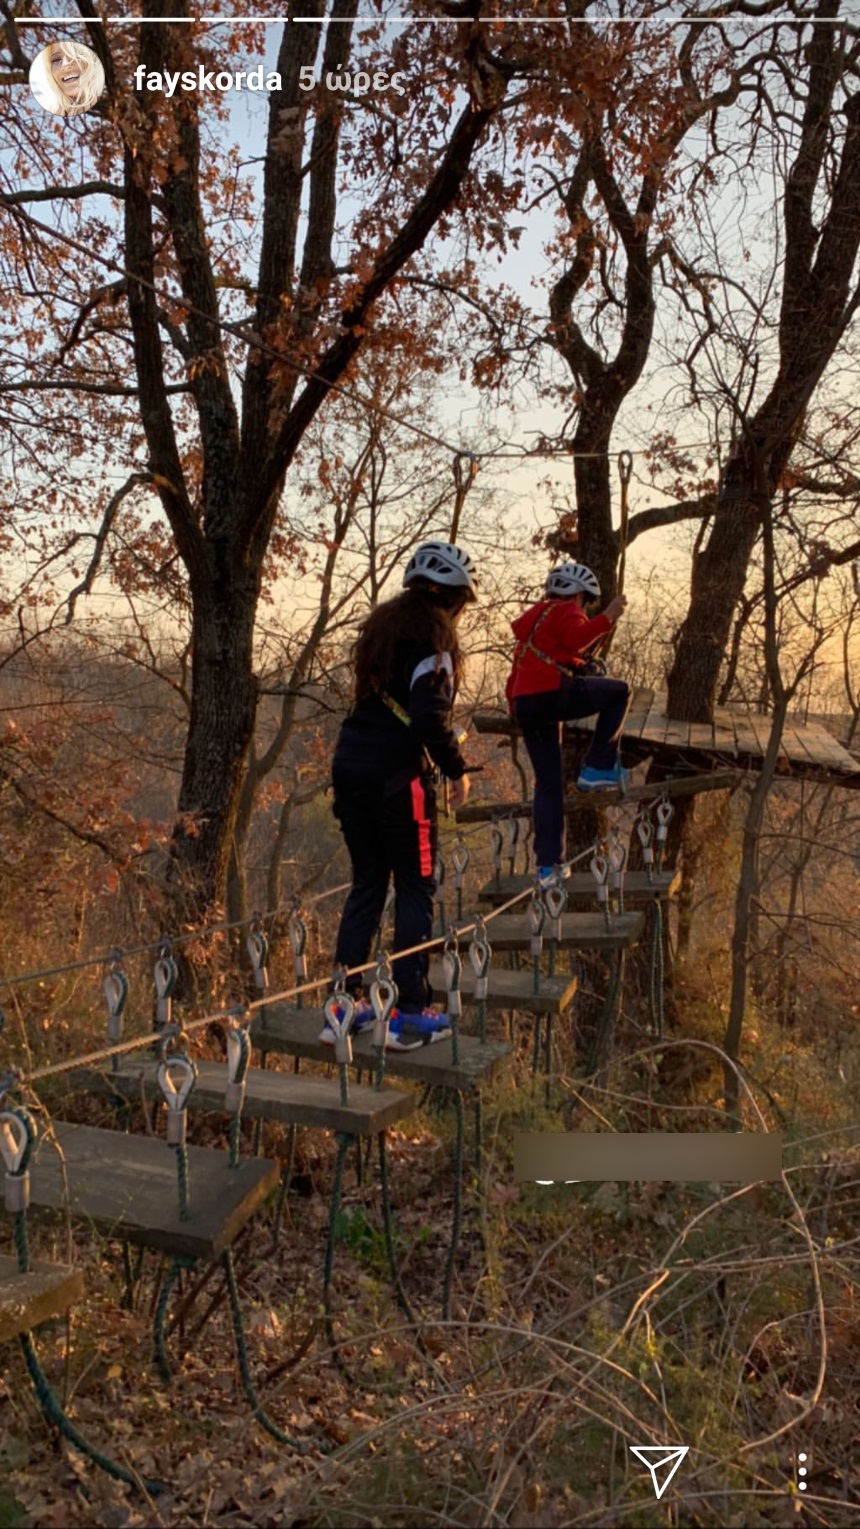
553, 681
396, 738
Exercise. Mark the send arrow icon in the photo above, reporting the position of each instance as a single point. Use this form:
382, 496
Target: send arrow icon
662, 1461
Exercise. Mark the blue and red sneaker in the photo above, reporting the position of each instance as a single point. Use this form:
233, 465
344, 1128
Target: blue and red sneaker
407, 1032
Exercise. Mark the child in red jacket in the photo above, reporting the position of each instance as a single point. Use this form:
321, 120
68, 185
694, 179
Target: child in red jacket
546, 688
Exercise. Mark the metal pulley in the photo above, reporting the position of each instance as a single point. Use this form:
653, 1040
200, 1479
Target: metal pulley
460, 860
480, 955
599, 867
17, 1139
645, 830
176, 1077
238, 1057
555, 899
617, 860
496, 844
383, 998
665, 814
115, 989
537, 918
452, 966
166, 977
257, 946
339, 1009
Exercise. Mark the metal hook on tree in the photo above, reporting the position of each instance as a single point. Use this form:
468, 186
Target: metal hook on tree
465, 473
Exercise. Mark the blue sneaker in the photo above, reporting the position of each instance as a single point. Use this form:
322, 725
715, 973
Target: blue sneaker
362, 1019
602, 780
407, 1032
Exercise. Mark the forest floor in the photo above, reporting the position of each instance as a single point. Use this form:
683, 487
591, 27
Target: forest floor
584, 1318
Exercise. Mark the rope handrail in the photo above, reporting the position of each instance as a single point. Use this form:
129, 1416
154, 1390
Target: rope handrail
119, 952
125, 1048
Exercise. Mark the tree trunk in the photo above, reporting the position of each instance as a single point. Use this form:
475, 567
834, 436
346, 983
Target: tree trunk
597, 544
719, 576
221, 725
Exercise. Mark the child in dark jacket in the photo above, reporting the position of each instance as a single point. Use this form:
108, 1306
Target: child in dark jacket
398, 734
549, 684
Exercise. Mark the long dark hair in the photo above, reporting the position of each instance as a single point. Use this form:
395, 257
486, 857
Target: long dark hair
423, 614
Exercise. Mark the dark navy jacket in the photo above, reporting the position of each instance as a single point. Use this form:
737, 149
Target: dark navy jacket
377, 747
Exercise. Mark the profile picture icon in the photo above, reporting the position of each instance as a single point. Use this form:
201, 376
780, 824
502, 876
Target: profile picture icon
67, 78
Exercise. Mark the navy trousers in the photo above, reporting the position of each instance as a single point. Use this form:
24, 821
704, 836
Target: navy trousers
389, 833
539, 717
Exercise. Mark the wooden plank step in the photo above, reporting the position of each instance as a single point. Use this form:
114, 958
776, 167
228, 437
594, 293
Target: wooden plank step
581, 889
508, 990
302, 1101
44, 1293
127, 1186
295, 1032
826, 749
579, 931
578, 801
724, 732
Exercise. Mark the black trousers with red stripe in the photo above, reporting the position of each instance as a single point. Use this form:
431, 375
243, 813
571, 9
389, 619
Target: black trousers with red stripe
388, 834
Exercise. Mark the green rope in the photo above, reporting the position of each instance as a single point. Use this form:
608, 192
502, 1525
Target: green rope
283, 1187
128, 1297
344, 1083
258, 1125
657, 970
343, 1142
182, 1174
482, 1020
456, 1208
21, 1243
388, 1229
536, 973
235, 1139
536, 1048
159, 1347
479, 1130
548, 1059
52, 1410
553, 947
244, 1364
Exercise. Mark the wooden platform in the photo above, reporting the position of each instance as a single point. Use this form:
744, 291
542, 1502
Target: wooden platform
301, 1101
507, 989
295, 1032
44, 1293
126, 1185
580, 801
581, 889
734, 736
579, 931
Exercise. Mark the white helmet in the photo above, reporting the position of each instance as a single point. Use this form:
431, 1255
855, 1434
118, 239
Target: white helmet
442, 563
572, 579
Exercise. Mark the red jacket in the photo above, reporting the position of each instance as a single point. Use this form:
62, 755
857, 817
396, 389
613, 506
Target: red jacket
561, 630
